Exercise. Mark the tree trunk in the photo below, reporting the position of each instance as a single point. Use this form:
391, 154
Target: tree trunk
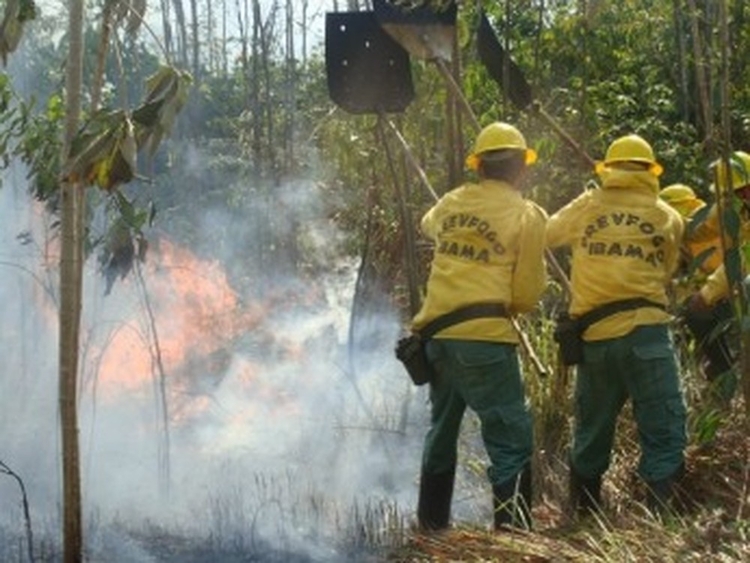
71, 276
704, 94
224, 53
266, 54
254, 92
196, 40
179, 13
681, 60
303, 30
166, 28
290, 87
210, 38
101, 54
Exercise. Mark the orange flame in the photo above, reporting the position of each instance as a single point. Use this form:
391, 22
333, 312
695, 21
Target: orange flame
196, 313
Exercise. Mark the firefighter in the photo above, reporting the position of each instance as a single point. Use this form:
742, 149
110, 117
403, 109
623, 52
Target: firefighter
489, 247
625, 245
703, 257
703, 252
712, 299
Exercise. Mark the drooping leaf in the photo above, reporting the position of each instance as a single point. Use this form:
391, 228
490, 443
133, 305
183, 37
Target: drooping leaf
116, 257
698, 218
733, 265
697, 261
16, 13
731, 222
88, 155
125, 207
738, 166
167, 92
121, 163
104, 152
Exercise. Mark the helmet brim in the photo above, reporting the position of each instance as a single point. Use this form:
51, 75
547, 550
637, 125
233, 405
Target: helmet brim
472, 161
654, 167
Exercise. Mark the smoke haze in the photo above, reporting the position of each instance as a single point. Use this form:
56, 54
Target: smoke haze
277, 426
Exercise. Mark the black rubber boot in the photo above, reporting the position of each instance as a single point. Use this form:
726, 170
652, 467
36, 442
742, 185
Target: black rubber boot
435, 496
661, 497
585, 494
512, 501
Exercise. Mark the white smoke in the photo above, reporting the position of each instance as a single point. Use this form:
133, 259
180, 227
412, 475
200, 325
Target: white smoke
293, 428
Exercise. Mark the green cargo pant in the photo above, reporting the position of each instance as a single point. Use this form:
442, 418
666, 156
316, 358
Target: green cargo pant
486, 377
640, 365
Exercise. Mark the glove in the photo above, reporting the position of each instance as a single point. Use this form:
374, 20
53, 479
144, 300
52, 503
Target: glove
697, 305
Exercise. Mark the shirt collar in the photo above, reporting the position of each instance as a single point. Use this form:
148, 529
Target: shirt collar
505, 188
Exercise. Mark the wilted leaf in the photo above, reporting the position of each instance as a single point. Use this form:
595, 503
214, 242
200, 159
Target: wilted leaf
147, 114
16, 13
121, 164
117, 254
167, 92
127, 212
10, 29
88, 155
161, 84
104, 152
124, 241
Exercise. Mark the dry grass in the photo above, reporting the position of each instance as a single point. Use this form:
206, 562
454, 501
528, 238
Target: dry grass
713, 524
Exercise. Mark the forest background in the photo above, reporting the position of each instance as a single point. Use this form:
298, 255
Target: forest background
258, 123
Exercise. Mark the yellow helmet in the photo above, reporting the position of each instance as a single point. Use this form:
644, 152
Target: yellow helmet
498, 136
682, 198
739, 164
630, 148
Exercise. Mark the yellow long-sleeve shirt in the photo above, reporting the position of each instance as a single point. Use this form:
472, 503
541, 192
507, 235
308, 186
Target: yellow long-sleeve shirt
625, 243
489, 247
700, 244
716, 286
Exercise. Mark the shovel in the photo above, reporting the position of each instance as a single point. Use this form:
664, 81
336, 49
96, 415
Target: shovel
425, 34
516, 88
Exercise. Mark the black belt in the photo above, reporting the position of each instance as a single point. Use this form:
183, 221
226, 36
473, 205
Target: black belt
474, 311
603, 311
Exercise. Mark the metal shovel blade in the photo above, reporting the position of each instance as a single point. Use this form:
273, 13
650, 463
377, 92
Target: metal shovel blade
423, 32
366, 70
494, 58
